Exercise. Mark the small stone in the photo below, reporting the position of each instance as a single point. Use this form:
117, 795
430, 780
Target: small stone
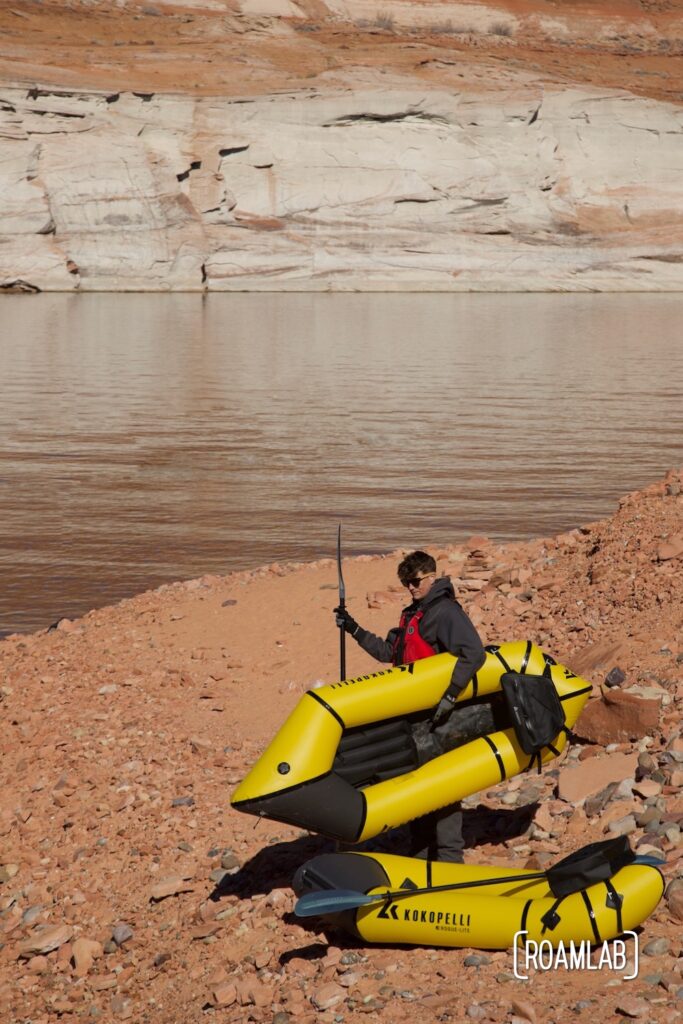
524, 1010
85, 952
647, 817
623, 826
122, 1007
476, 960
672, 832
199, 744
38, 964
224, 993
327, 996
647, 788
351, 958
281, 1017
476, 1012
229, 861
170, 886
122, 933
30, 915
103, 983
161, 958
671, 548
646, 763
631, 1006
657, 947
63, 1005
45, 940
183, 801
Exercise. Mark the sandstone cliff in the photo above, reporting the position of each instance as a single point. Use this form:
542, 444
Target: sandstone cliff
444, 164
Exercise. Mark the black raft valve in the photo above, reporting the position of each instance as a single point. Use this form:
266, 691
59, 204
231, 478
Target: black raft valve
283, 768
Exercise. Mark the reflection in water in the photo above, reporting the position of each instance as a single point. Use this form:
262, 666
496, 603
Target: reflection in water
147, 438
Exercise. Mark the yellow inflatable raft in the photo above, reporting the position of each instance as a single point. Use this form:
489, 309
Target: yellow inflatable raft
389, 899
325, 771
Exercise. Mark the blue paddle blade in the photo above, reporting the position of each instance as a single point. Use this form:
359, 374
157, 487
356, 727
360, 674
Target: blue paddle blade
334, 901
650, 859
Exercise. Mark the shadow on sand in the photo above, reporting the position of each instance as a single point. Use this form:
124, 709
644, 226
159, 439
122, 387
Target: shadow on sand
274, 866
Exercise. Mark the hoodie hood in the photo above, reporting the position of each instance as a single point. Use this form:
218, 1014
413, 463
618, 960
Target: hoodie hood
441, 587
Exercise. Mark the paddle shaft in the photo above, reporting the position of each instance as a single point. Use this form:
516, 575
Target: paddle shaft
342, 605
322, 902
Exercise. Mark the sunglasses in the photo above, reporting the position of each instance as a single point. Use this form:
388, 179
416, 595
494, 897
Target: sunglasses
415, 581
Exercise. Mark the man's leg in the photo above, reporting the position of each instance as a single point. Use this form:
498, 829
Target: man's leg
422, 837
448, 831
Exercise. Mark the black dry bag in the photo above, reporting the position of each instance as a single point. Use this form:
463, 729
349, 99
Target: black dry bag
535, 709
596, 862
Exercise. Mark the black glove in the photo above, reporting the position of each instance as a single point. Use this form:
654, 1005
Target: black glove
345, 621
443, 709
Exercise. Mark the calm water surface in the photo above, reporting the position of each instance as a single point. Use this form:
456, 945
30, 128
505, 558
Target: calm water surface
148, 438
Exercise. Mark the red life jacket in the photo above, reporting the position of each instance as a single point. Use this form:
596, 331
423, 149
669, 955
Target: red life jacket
409, 645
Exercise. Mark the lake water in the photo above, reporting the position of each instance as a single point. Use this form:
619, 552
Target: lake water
148, 438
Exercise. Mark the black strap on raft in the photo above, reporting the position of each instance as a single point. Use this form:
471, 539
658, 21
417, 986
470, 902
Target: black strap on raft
551, 918
501, 659
591, 914
614, 901
496, 754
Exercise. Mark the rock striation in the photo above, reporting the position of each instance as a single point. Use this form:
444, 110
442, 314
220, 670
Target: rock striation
344, 185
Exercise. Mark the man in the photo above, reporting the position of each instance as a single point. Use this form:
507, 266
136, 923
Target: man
433, 623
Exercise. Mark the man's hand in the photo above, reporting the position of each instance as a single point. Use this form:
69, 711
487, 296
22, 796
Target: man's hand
345, 621
443, 709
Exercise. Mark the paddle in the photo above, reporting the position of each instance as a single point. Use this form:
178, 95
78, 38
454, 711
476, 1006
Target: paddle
342, 605
334, 901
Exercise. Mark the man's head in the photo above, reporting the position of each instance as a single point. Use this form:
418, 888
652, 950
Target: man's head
417, 572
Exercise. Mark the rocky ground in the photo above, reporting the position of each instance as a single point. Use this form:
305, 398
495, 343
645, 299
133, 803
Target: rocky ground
129, 890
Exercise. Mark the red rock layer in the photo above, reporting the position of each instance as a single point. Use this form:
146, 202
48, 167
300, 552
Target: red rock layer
624, 44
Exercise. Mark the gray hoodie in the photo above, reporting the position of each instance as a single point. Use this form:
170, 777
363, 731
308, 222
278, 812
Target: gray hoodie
444, 626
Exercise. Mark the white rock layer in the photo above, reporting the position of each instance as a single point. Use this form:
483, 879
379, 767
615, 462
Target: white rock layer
369, 189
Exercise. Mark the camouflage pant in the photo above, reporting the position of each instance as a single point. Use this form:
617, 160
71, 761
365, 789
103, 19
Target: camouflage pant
438, 835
